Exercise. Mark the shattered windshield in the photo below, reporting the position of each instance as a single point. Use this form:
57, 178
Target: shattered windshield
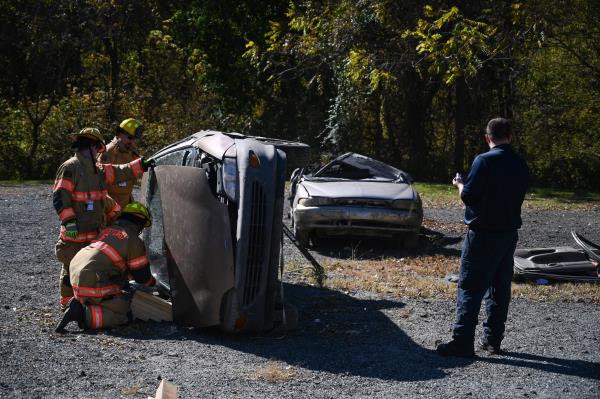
358, 167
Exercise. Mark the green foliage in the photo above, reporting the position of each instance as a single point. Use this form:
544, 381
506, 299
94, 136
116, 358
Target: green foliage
409, 83
453, 45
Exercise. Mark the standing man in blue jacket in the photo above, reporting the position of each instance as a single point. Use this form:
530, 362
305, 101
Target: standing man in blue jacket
493, 193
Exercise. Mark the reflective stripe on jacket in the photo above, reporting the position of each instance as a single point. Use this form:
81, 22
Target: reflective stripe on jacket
103, 268
121, 192
80, 193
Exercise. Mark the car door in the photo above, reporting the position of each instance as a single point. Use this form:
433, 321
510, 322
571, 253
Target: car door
154, 237
193, 234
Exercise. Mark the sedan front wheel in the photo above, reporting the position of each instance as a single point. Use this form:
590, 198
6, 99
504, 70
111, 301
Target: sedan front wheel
301, 236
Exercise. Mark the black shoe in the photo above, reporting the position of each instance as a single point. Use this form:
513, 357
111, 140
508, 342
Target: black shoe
75, 312
492, 349
454, 348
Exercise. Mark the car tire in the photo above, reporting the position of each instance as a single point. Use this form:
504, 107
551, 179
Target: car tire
302, 237
410, 240
517, 277
291, 316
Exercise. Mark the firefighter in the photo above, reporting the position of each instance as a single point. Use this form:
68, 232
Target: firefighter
121, 150
81, 201
101, 270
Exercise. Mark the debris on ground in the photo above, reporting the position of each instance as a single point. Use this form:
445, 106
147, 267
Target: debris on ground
165, 390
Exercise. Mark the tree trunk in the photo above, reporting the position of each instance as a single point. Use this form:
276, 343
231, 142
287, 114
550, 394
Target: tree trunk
460, 123
36, 118
114, 81
417, 107
35, 140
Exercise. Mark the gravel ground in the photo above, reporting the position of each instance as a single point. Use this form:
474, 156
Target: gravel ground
347, 344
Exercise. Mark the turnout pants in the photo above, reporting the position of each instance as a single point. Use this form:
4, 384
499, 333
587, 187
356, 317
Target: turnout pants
65, 251
106, 312
486, 272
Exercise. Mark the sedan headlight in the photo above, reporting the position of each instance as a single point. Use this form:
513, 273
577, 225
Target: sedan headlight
230, 179
408, 205
315, 201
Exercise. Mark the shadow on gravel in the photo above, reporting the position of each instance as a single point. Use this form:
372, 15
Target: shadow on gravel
577, 368
342, 335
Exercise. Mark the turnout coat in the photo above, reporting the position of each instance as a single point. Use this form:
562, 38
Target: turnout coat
101, 270
80, 193
120, 191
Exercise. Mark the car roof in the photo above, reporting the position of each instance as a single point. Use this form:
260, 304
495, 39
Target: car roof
213, 146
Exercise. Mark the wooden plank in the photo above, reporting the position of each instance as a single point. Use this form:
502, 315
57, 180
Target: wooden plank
145, 306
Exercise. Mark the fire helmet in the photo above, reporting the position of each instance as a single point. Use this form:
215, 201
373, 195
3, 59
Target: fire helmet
91, 134
139, 211
131, 127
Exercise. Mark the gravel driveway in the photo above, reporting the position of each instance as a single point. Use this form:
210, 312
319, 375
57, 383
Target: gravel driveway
347, 345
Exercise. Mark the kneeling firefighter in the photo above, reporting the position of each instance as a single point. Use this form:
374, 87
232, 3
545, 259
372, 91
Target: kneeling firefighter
100, 272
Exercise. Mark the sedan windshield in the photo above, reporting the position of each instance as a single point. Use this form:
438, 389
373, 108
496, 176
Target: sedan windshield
358, 167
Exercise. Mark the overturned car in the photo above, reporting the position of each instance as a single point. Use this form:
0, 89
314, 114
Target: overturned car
214, 246
355, 195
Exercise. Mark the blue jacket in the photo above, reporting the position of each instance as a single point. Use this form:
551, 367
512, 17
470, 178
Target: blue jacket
495, 189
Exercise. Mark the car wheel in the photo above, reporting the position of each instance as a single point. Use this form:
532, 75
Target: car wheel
410, 240
302, 237
291, 316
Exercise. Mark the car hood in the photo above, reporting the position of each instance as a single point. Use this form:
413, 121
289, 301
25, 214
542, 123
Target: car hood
359, 189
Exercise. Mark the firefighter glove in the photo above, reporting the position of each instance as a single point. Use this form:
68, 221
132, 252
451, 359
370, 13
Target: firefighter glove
71, 229
148, 163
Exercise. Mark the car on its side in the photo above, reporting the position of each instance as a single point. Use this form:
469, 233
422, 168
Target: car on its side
355, 195
216, 201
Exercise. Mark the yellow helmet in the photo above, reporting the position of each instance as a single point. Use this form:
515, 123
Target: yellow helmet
140, 211
131, 127
90, 133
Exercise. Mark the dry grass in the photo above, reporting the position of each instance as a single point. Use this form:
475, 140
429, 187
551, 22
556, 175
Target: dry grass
423, 277
445, 227
274, 372
418, 277
560, 292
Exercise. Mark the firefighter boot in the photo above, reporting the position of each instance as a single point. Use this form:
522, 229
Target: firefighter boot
75, 312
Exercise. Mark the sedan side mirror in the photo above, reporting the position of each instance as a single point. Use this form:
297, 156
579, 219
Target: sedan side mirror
407, 178
296, 173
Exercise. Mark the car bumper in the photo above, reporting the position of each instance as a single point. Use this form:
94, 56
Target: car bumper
347, 220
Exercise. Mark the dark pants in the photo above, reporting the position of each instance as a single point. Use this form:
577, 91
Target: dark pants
486, 271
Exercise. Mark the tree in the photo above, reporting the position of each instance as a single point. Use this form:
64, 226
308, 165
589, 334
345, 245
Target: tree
40, 44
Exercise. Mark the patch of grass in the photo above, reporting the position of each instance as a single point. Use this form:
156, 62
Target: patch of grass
437, 195
423, 277
558, 292
418, 277
446, 227
274, 372
546, 198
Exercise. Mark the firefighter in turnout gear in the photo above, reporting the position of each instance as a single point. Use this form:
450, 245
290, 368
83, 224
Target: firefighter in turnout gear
81, 200
101, 270
121, 150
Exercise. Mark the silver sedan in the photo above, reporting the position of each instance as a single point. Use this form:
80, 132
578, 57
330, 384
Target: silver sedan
355, 195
